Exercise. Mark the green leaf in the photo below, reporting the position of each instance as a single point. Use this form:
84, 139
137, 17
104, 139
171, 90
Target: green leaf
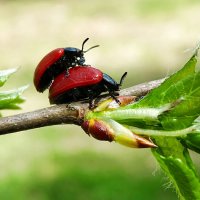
180, 92
174, 159
4, 75
11, 99
184, 113
192, 141
170, 115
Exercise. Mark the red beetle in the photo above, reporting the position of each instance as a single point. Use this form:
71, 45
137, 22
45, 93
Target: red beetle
57, 61
82, 83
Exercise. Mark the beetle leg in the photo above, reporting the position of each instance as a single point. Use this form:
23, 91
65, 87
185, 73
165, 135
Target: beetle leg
75, 94
114, 97
92, 102
112, 94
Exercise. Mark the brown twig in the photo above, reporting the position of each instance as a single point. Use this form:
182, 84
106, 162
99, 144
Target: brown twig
62, 114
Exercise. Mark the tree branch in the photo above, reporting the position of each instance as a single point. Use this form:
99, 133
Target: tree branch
62, 114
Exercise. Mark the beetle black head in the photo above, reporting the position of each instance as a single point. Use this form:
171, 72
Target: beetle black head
110, 83
74, 56
80, 58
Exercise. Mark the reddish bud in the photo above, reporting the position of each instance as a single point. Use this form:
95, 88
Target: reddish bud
110, 130
98, 129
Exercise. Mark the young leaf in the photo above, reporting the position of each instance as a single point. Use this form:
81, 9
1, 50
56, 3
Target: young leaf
10, 99
4, 75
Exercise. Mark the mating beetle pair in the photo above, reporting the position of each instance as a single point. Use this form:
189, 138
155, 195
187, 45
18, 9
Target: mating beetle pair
69, 79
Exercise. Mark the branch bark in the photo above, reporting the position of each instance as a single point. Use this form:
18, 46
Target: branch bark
64, 113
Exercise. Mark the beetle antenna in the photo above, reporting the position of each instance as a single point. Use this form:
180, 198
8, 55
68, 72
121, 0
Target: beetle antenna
91, 48
84, 43
122, 78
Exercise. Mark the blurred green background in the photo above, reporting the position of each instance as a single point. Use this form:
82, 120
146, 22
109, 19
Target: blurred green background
148, 38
